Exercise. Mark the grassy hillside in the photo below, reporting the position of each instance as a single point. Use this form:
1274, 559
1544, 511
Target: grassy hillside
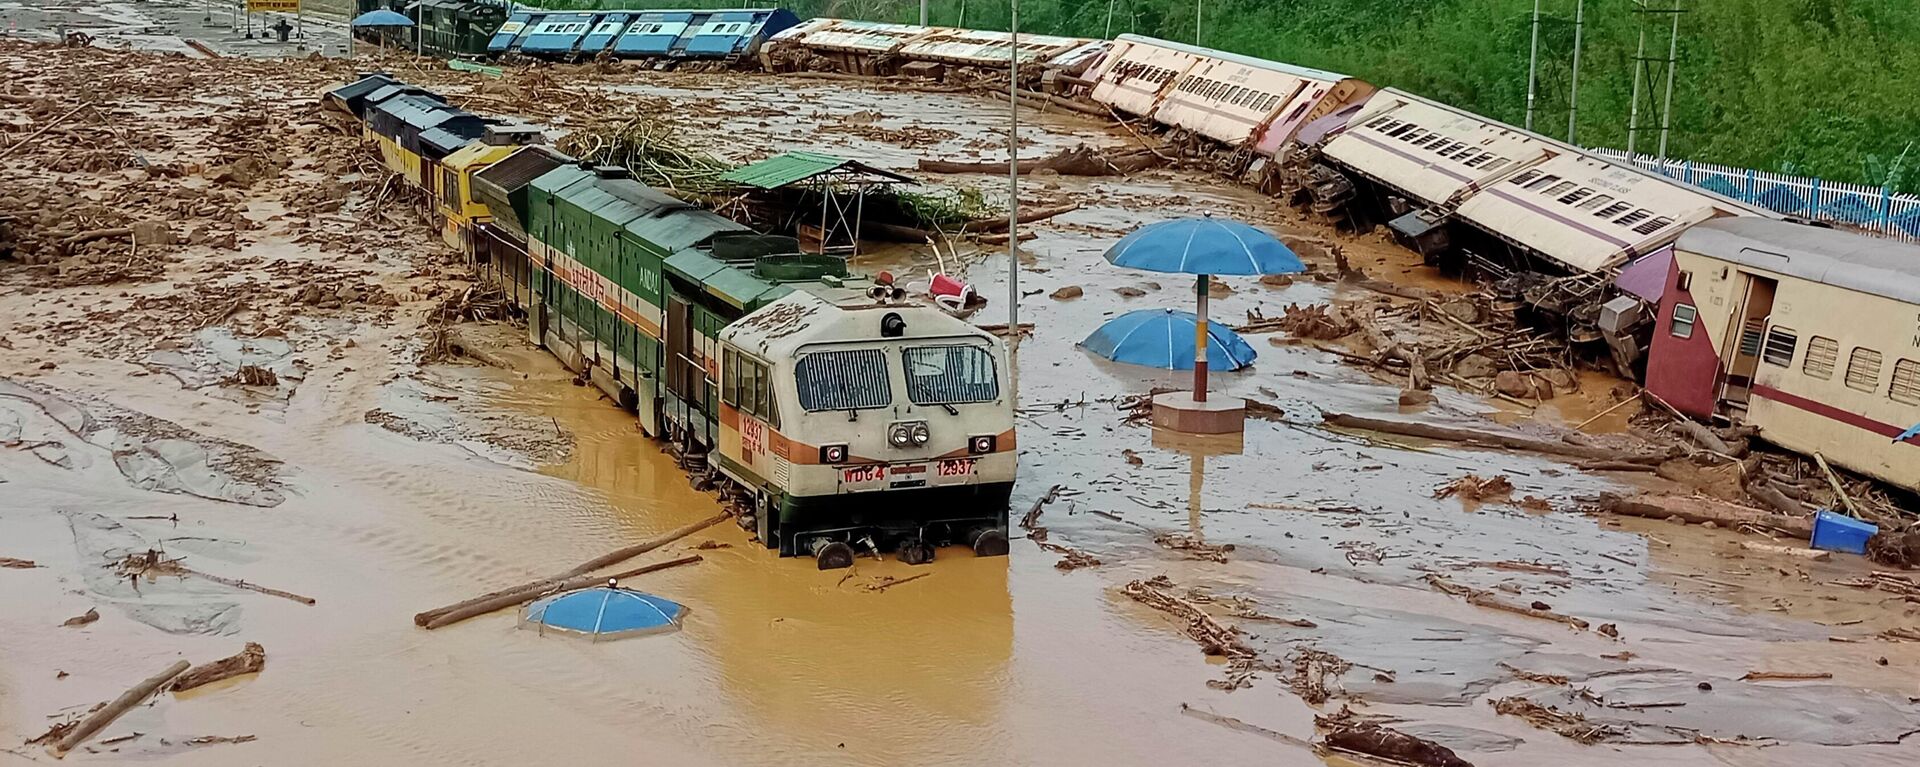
1816, 87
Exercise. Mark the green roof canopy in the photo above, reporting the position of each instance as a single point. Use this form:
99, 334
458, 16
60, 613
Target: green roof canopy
792, 167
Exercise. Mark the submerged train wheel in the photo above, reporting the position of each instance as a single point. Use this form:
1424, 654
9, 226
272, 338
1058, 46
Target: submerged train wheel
988, 542
832, 555
916, 552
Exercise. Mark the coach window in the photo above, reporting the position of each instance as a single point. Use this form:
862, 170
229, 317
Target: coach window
1683, 317
1863, 369
1779, 347
1822, 354
1906, 382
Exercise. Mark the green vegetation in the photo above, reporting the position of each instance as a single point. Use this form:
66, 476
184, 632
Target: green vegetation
1815, 87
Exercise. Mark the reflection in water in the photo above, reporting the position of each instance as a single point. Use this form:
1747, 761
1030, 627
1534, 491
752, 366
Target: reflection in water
815, 659
1197, 447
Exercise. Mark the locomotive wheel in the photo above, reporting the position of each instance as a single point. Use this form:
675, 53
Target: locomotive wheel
990, 543
916, 552
833, 556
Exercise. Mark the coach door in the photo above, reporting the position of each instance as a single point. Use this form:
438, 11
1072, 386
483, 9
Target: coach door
1750, 333
679, 333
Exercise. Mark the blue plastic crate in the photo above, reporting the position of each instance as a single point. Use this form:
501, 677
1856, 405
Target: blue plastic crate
1839, 532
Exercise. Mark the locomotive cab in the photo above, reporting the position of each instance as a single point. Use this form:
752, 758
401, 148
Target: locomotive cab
860, 425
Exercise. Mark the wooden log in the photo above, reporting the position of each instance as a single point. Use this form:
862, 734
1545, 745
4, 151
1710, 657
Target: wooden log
483, 607
1029, 216
1003, 237
614, 557
1816, 555
250, 660
7, 152
1492, 439
1767, 493
1704, 437
105, 716
1833, 480
881, 230
240, 584
1615, 466
1700, 509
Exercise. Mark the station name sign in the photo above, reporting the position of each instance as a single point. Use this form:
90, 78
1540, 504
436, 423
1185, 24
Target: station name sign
273, 6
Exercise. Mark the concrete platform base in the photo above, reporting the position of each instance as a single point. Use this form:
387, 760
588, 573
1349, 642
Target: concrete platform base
1218, 415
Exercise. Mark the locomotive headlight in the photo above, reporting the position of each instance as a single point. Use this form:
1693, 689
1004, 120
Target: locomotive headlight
905, 434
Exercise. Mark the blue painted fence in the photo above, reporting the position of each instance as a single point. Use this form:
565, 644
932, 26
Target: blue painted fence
1870, 209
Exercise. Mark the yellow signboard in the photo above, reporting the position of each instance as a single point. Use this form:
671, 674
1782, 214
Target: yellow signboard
273, 6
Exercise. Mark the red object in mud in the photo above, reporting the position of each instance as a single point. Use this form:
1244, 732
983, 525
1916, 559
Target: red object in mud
883, 278
948, 286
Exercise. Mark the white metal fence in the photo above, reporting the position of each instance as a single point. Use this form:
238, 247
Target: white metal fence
1871, 209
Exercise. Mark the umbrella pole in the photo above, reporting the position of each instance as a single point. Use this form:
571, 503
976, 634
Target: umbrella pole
1200, 342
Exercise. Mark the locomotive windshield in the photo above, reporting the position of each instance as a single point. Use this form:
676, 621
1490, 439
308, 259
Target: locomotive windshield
950, 375
849, 379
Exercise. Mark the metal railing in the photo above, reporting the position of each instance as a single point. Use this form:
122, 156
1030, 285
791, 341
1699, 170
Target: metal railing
1875, 210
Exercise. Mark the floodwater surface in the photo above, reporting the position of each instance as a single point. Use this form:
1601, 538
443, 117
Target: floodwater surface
454, 487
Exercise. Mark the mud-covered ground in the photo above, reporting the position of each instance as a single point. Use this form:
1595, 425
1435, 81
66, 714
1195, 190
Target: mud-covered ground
380, 486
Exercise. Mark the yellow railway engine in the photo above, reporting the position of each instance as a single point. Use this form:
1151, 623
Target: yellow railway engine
863, 425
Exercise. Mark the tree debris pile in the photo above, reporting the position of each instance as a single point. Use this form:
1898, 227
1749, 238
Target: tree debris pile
1472, 488
1214, 637
1571, 725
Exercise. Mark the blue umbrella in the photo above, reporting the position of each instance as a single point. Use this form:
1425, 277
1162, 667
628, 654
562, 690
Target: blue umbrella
1204, 246
1165, 338
382, 18
606, 612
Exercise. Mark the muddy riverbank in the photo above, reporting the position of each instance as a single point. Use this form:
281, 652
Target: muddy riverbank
380, 487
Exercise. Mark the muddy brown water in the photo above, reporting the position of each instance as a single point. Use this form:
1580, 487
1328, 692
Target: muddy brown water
985, 660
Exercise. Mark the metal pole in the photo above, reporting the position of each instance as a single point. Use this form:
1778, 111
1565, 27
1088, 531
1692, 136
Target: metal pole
923, 13
1533, 64
1109, 34
1573, 91
1200, 342
1639, 73
1673, 62
1196, 20
1013, 195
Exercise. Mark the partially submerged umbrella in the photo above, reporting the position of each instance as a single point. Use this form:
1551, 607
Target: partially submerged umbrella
1164, 338
1204, 246
606, 612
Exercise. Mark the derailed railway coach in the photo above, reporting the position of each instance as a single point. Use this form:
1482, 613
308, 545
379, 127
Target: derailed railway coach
841, 415
1461, 188
725, 36
1811, 334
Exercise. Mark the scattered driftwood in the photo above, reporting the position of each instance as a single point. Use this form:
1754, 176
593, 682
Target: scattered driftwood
891, 582
1374, 740
1029, 520
1215, 638
1767, 493
1492, 601
153, 562
1700, 509
549, 584
1194, 547
82, 619
1081, 160
1816, 555
1003, 237
1472, 488
254, 375
1387, 349
1027, 216
250, 660
105, 716
1616, 466
17, 564
1705, 438
1490, 439
1320, 322
1784, 676
522, 597
1571, 725
1834, 481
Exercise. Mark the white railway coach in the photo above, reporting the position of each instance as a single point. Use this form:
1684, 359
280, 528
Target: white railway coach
857, 422
1811, 334
983, 48
1431, 152
1243, 101
1591, 214
858, 47
1134, 74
